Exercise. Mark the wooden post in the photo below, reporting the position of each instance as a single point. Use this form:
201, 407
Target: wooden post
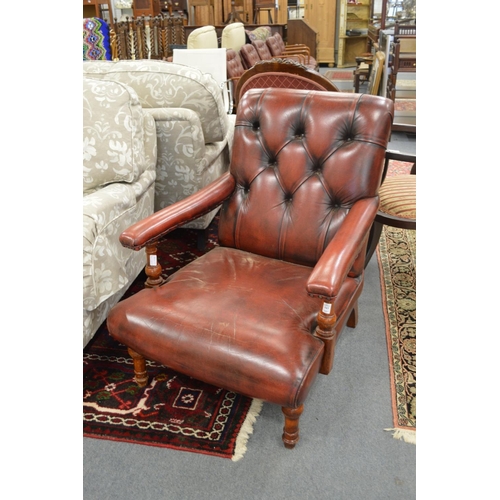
326, 332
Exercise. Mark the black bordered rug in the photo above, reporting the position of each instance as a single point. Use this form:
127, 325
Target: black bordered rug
173, 410
397, 262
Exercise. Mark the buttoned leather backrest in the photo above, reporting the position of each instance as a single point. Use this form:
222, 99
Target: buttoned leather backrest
262, 49
234, 65
301, 159
249, 55
275, 45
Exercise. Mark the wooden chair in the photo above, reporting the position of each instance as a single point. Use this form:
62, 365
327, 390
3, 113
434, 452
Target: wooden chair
237, 8
147, 37
194, 4
376, 73
281, 73
260, 314
259, 5
398, 201
363, 70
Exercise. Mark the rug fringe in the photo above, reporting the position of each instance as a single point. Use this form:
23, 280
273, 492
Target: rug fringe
247, 429
405, 435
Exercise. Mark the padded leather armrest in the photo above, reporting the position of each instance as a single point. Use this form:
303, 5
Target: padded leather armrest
156, 226
333, 266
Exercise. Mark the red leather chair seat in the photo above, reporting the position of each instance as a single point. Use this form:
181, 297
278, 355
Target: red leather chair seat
180, 326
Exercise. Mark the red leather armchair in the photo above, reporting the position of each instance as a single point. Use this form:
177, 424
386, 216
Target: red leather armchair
260, 313
281, 73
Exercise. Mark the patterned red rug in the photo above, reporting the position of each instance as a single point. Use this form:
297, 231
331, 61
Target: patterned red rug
172, 411
339, 75
405, 105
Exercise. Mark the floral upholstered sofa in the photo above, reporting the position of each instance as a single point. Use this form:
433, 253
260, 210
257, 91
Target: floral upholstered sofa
119, 170
194, 131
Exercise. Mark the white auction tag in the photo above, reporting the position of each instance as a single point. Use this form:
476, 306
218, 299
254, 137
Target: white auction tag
327, 307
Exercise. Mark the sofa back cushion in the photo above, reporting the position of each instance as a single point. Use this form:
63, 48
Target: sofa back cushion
165, 84
113, 149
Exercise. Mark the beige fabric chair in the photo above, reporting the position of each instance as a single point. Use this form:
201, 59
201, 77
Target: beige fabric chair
194, 131
233, 36
203, 38
119, 159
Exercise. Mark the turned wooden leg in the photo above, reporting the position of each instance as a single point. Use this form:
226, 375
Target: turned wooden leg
353, 317
291, 429
141, 375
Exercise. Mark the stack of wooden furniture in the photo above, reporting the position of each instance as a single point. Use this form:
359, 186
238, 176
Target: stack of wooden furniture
148, 37
402, 59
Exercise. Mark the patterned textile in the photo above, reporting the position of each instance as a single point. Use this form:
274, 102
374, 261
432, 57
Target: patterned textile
96, 39
119, 160
260, 33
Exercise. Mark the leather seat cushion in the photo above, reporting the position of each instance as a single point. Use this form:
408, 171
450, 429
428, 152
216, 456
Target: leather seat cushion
217, 320
398, 196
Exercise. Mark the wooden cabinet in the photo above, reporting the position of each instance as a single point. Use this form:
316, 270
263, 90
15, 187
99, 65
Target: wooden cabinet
146, 7
321, 16
354, 18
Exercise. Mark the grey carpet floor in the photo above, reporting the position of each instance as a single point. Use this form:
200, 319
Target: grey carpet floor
344, 452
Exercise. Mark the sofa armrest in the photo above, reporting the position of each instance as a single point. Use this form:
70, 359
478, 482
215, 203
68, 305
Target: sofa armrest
106, 213
153, 228
338, 258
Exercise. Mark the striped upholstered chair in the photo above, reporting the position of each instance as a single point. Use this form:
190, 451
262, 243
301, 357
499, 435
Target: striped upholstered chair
398, 201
